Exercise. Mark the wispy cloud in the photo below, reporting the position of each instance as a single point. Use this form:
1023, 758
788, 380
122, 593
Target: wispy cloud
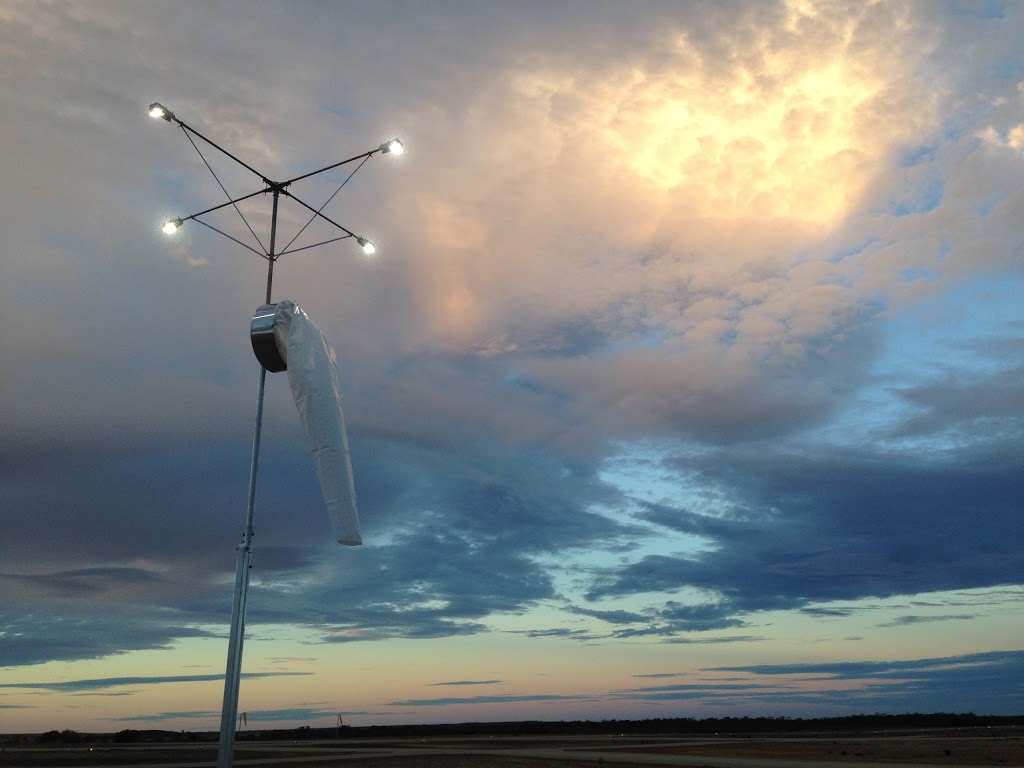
715, 640
983, 682
117, 682
502, 699
662, 674
905, 620
161, 716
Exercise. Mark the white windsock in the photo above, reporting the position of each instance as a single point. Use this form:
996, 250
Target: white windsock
313, 376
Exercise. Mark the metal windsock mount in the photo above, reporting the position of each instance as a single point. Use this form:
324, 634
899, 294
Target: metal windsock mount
282, 332
264, 343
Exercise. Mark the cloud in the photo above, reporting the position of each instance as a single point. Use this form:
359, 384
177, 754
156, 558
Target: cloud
963, 405
837, 525
690, 692
502, 699
576, 634
974, 663
611, 617
612, 229
161, 716
470, 682
32, 638
86, 580
982, 683
117, 682
259, 716
715, 640
900, 621
662, 674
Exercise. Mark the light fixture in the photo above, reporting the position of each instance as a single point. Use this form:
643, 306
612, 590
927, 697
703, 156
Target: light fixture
156, 109
394, 146
171, 226
368, 248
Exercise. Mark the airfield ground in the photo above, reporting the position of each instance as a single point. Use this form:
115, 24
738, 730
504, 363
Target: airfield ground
962, 747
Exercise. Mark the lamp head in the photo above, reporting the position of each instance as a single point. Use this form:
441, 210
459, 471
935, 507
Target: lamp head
395, 147
171, 226
156, 109
368, 248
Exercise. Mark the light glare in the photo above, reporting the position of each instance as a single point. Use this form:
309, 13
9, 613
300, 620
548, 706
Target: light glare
171, 226
368, 248
156, 109
395, 147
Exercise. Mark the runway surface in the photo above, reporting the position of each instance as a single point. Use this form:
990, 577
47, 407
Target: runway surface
922, 749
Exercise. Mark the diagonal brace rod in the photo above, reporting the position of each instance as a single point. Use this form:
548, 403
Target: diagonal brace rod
224, 190
309, 207
229, 237
217, 146
371, 153
314, 245
229, 202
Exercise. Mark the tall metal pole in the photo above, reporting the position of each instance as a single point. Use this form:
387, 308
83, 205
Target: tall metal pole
233, 674
243, 562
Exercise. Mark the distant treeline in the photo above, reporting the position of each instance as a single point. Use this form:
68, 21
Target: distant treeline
671, 726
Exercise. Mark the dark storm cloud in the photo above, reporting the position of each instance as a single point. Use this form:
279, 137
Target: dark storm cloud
967, 404
467, 545
837, 525
84, 580
465, 554
454, 548
33, 638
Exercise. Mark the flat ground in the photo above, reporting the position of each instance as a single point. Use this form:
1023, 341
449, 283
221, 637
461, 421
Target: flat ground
977, 747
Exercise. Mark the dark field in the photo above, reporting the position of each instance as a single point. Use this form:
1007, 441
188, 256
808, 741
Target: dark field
983, 747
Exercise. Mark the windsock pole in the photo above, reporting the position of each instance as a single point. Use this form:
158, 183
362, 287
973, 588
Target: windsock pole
243, 562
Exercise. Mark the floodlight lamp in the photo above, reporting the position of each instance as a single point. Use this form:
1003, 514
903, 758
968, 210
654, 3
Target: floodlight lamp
394, 146
368, 248
171, 226
156, 109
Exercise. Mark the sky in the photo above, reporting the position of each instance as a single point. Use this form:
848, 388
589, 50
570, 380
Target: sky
686, 380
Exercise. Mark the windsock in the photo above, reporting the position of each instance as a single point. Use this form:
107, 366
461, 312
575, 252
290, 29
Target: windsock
313, 377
